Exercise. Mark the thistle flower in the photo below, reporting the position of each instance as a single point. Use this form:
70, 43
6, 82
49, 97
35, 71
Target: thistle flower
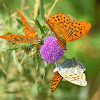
51, 50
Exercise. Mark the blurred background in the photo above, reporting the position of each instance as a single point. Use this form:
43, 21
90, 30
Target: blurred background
23, 76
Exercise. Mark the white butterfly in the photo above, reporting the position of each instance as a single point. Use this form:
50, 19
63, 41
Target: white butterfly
72, 71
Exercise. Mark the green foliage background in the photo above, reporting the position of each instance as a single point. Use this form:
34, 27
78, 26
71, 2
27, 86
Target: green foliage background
22, 72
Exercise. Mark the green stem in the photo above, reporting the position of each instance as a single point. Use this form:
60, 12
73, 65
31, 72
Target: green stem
42, 11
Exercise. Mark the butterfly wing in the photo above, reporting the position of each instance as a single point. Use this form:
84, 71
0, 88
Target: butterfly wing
78, 63
78, 79
72, 71
29, 37
67, 28
27, 27
19, 38
60, 22
60, 39
77, 29
56, 80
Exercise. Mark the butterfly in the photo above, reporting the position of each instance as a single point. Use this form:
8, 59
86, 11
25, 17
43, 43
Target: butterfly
29, 37
66, 29
70, 70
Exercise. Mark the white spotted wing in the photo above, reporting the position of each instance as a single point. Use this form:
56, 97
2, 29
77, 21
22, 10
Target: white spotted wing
72, 71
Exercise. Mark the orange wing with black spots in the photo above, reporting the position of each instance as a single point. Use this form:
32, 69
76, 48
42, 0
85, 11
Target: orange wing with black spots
29, 37
56, 80
20, 38
60, 39
67, 29
27, 27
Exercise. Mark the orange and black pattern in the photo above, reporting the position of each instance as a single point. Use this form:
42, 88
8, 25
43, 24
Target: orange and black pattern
56, 80
29, 37
66, 29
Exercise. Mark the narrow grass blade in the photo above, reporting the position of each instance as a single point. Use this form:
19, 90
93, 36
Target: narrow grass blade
42, 10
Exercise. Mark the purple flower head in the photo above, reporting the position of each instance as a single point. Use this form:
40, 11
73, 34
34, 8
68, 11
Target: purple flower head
51, 50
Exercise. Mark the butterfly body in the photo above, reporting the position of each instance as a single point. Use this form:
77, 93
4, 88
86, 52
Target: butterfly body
70, 30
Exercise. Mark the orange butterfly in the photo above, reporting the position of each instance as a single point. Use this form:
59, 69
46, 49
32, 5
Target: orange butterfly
29, 37
66, 29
